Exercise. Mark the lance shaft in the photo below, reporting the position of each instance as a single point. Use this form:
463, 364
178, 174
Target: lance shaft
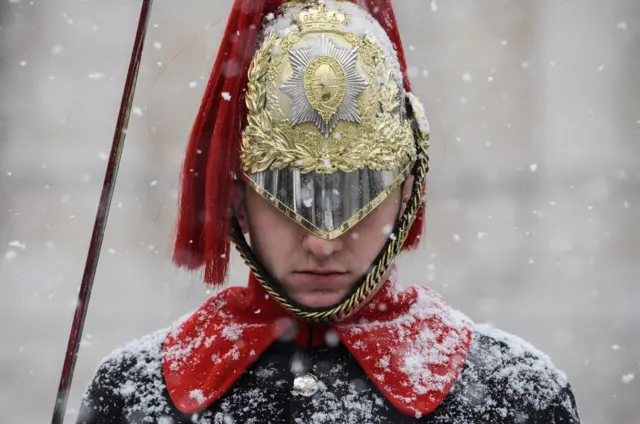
102, 215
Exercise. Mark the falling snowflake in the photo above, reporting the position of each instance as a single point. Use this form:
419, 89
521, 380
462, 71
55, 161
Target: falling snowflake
331, 338
628, 378
67, 18
17, 244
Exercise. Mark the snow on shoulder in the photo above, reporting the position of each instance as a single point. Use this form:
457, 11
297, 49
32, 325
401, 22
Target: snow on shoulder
133, 374
517, 371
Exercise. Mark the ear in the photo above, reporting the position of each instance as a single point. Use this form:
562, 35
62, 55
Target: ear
406, 191
239, 201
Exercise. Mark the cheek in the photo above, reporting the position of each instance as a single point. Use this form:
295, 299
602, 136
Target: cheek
371, 233
382, 220
273, 235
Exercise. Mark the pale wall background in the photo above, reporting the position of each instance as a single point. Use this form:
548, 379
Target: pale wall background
534, 196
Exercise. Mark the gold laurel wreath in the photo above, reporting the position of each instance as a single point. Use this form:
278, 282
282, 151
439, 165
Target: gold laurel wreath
270, 144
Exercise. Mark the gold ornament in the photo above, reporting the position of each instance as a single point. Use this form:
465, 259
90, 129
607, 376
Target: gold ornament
322, 19
340, 110
324, 89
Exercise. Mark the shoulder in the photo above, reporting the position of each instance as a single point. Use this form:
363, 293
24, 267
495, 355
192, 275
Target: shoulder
515, 378
140, 355
508, 357
141, 359
127, 380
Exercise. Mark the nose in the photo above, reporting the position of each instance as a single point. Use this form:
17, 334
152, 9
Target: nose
321, 248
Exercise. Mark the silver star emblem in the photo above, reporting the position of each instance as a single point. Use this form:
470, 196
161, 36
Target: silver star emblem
325, 85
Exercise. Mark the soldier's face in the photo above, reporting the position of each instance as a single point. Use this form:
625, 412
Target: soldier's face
315, 272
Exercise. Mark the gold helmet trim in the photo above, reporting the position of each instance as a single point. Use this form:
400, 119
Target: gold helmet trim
344, 227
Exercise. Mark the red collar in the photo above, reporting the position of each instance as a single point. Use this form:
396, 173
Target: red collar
411, 344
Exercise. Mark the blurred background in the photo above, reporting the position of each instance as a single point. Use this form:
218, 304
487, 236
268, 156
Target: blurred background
534, 195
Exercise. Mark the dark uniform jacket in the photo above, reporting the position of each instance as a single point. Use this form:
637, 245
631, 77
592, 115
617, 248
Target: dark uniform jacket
498, 378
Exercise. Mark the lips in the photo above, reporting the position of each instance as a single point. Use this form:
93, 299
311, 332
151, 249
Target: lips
321, 276
322, 271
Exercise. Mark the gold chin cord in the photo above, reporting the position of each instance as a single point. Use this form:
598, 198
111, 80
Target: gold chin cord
101, 217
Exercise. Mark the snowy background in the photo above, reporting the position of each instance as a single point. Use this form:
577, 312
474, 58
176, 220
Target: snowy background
534, 196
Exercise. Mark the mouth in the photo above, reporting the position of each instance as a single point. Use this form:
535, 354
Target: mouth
321, 276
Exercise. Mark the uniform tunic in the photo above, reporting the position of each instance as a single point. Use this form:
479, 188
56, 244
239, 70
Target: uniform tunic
503, 380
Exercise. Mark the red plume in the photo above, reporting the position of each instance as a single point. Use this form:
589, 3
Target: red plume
212, 157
